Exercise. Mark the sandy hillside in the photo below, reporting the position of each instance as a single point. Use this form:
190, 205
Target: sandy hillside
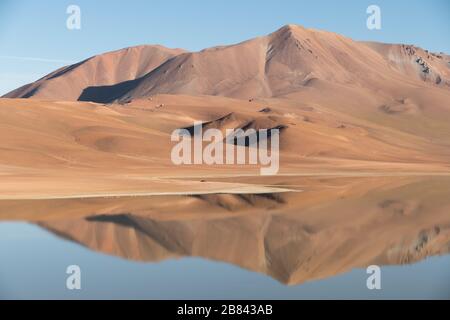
290, 59
69, 83
125, 149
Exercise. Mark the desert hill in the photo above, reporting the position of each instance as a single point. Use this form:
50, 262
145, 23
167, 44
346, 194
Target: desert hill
291, 59
68, 83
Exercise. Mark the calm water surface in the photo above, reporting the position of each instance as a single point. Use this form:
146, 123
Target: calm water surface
33, 265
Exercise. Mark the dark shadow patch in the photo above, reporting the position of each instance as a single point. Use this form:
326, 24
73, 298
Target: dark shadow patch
246, 139
107, 94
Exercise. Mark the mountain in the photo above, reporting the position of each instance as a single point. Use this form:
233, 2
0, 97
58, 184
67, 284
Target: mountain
343, 107
69, 83
289, 60
364, 154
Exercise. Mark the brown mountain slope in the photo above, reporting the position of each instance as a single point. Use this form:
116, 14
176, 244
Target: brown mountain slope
286, 61
126, 149
415, 62
111, 68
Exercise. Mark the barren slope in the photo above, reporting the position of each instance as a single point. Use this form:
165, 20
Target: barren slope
69, 83
288, 60
123, 150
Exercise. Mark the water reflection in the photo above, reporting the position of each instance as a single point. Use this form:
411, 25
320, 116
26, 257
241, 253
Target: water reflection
332, 226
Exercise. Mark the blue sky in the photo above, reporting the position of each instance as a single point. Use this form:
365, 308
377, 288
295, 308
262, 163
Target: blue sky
34, 39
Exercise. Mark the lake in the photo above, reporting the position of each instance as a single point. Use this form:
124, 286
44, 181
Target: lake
310, 245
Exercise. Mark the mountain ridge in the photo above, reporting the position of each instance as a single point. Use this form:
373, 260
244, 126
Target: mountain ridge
280, 63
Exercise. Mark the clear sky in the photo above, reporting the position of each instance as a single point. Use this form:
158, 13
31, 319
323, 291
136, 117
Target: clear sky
34, 39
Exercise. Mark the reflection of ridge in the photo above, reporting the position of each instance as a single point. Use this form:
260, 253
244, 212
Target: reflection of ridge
147, 227
246, 241
344, 224
239, 201
120, 219
283, 248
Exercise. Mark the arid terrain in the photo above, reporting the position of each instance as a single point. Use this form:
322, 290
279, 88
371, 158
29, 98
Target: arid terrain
364, 154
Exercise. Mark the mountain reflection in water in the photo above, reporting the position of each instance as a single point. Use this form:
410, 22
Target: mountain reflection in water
332, 226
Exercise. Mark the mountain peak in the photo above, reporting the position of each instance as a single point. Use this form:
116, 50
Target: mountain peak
283, 62
290, 28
